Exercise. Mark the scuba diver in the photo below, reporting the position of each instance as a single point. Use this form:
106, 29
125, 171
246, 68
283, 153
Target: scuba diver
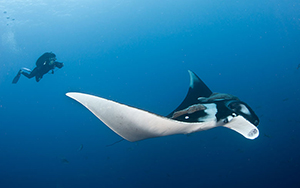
44, 64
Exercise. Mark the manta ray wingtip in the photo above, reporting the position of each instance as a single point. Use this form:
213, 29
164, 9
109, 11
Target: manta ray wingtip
75, 95
70, 94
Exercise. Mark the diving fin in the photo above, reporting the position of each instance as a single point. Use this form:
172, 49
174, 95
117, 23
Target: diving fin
16, 79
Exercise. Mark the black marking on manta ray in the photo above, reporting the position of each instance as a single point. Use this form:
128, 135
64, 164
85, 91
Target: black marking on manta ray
194, 117
222, 113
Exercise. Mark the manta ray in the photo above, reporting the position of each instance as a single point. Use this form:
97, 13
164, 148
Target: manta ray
200, 110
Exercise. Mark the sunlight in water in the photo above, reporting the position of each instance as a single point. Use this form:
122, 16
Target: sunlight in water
8, 40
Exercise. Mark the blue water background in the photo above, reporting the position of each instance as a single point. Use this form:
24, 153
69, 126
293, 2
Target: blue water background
138, 52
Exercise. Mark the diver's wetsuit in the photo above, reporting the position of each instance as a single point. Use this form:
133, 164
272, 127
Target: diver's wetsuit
39, 71
44, 64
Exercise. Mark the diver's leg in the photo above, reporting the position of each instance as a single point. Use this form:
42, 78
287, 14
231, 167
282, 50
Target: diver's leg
31, 74
27, 75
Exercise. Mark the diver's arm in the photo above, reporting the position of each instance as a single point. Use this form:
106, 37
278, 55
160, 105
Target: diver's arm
59, 64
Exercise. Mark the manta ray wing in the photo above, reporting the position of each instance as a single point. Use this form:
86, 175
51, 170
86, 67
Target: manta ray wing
135, 124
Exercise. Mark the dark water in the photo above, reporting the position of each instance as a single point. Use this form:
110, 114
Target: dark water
138, 52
